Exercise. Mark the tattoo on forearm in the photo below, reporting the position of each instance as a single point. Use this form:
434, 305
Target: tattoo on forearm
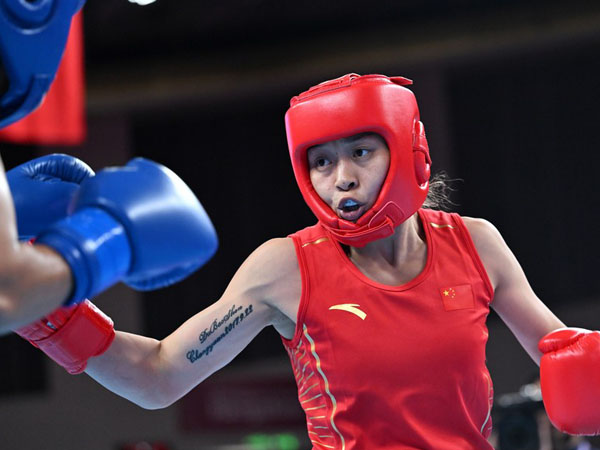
217, 323
195, 354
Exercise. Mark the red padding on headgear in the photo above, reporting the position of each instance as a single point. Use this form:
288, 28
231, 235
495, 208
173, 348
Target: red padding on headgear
355, 104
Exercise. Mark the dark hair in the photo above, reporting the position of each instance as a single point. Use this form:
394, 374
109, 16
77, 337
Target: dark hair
440, 190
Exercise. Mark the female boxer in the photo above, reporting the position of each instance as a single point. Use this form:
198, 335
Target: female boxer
381, 305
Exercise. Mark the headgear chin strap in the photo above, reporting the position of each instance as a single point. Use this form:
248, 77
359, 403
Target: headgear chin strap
33, 34
355, 104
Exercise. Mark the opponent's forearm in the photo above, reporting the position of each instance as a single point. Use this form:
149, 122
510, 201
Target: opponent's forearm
34, 280
131, 368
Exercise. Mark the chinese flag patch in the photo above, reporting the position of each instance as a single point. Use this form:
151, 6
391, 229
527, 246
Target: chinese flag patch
457, 297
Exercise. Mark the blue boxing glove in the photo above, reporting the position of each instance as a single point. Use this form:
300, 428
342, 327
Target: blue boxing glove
139, 224
42, 190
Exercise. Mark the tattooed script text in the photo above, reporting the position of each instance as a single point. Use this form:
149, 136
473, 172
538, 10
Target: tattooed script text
195, 355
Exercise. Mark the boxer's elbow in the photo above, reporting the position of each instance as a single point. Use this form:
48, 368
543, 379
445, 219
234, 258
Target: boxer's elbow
164, 393
158, 402
158, 382
141, 392
153, 403
159, 397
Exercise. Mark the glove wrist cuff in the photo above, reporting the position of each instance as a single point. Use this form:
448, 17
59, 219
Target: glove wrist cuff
89, 332
96, 248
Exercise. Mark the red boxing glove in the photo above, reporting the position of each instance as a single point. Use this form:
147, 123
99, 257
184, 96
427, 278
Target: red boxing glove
570, 379
71, 335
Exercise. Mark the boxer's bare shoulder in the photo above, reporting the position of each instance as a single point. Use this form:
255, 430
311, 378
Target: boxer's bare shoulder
514, 300
489, 245
271, 275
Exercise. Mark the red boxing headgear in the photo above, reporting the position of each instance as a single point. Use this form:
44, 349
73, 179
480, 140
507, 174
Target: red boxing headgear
355, 104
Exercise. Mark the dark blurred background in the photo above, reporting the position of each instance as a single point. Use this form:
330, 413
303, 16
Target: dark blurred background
508, 91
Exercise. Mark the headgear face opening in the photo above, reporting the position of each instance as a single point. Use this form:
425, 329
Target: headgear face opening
355, 104
33, 34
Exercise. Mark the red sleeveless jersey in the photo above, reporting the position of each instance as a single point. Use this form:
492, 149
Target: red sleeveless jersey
383, 367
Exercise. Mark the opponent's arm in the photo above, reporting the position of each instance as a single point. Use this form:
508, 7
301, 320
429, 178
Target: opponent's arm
140, 224
33, 279
514, 300
154, 374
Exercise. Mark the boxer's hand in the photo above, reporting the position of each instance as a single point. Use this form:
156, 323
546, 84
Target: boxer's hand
570, 379
139, 223
42, 189
71, 335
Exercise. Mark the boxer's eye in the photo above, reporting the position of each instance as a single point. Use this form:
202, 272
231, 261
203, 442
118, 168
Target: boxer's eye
360, 152
319, 162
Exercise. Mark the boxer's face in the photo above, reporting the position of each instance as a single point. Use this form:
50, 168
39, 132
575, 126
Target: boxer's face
348, 173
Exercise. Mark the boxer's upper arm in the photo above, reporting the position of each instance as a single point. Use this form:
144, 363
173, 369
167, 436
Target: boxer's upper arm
514, 300
213, 337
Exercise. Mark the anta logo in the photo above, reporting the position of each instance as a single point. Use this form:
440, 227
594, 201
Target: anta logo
351, 308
